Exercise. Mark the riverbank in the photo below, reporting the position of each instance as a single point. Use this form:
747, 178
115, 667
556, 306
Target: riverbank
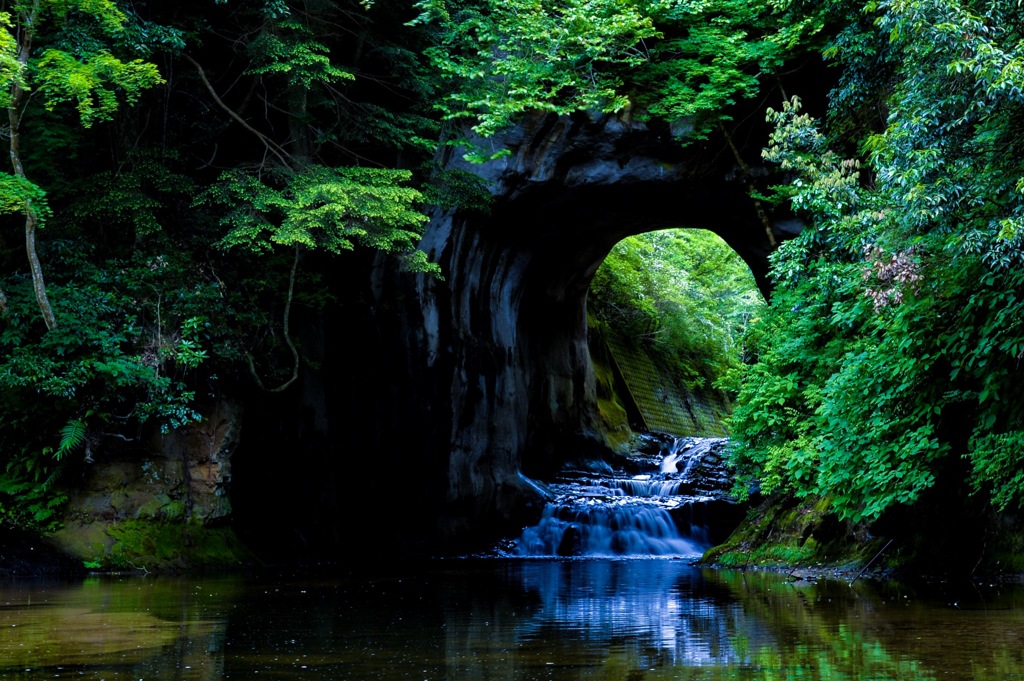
807, 539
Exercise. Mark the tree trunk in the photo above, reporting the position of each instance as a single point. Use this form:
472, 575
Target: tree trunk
25, 35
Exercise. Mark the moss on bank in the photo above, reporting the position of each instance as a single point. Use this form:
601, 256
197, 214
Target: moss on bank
786, 532
153, 545
614, 417
790, 533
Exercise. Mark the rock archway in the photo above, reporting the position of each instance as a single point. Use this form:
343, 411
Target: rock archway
495, 355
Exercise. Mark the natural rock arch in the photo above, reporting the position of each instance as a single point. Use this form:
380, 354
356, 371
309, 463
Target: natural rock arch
496, 357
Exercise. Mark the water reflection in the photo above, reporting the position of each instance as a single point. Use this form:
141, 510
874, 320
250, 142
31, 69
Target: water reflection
649, 610
517, 620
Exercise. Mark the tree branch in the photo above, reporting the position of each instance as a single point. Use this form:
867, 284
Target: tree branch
287, 335
271, 146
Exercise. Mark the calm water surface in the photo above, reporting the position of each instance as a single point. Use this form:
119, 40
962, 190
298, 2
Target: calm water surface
627, 620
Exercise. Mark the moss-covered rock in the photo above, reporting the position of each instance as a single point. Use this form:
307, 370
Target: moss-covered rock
161, 506
614, 418
786, 532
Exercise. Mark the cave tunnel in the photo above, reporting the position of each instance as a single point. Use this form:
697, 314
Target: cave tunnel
424, 407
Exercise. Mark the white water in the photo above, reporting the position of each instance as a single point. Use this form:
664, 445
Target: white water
604, 531
622, 515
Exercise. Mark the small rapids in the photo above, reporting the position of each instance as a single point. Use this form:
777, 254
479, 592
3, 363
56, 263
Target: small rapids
658, 512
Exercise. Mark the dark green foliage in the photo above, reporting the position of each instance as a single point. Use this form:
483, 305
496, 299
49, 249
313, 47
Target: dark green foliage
682, 62
894, 340
176, 197
712, 55
506, 58
153, 318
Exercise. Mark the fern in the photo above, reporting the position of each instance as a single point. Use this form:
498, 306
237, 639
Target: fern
31, 503
72, 436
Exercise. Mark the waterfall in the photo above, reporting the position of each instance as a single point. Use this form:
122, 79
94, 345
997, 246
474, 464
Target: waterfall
615, 514
604, 530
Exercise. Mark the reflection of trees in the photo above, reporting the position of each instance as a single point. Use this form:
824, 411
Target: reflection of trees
845, 655
884, 631
49, 636
656, 620
660, 619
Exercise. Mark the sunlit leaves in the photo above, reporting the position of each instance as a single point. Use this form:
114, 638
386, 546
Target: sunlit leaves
676, 59
333, 209
714, 54
16, 193
77, 68
11, 70
93, 83
512, 56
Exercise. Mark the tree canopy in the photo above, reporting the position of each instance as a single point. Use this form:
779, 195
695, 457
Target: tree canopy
181, 171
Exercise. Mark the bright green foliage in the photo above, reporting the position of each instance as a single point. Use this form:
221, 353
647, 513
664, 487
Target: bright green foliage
59, 50
300, 203
894, 341
332, 209
77, 66
292, 52
508, 57
18, 192
685, 291
713, 54
11, 70
684, 61
92, 83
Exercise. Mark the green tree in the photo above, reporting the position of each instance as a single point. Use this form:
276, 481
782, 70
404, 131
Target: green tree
74, 66
296, 195
683, 62
891, 355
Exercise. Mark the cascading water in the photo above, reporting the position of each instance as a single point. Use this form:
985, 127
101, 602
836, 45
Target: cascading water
616, 514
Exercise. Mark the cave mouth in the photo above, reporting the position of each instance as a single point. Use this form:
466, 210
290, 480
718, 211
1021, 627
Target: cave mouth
679, 291
631, 340
667, 311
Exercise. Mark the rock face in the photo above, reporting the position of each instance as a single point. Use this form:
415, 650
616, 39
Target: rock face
155, 505
497, 370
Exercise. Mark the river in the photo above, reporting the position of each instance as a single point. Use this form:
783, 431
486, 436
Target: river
505, 619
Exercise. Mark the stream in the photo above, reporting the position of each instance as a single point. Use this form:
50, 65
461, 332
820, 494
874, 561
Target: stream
603, 587
514, 619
